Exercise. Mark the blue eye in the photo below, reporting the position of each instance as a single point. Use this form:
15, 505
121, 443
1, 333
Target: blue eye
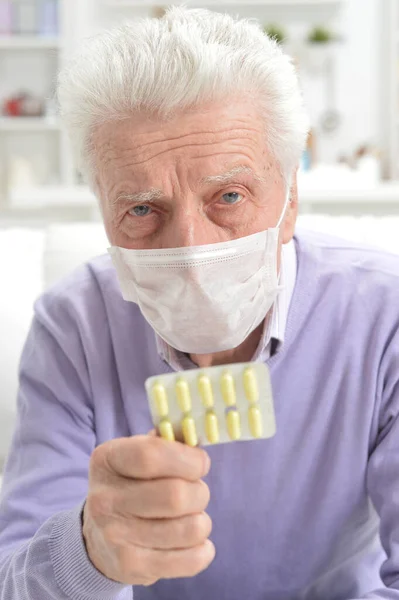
141, 211
232, 197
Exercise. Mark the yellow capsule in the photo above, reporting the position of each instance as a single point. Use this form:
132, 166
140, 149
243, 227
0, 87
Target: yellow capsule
189, 431
233, 424
183, 395
205, 390
228, 389
160, 399
255, 422
211, 427
251, 385
166, 430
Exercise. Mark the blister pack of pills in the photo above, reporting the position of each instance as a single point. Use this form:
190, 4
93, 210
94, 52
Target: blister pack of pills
213, 405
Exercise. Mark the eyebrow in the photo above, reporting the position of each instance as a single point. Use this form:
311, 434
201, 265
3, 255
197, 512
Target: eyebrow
141, 197
230, 176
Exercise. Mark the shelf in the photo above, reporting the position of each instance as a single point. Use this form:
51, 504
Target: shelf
220, 3
31, 42
28, 124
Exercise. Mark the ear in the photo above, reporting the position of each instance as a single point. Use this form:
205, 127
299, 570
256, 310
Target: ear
288, 226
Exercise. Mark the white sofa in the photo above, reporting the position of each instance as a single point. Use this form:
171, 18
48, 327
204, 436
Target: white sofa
31, 260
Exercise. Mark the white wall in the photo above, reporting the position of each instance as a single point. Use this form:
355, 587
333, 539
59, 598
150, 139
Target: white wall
357, 81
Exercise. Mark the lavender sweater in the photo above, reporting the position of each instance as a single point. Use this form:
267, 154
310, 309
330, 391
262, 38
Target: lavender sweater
293, 516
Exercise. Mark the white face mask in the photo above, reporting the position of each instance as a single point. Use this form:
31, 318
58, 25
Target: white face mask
203, 299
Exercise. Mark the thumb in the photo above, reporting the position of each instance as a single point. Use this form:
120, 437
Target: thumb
178, 436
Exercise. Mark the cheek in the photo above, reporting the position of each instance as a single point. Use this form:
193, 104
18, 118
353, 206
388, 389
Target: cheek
257, 219
121, 239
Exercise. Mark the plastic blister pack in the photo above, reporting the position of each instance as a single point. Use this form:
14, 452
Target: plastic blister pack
213, 405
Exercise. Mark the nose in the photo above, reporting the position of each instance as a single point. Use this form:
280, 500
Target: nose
187, 228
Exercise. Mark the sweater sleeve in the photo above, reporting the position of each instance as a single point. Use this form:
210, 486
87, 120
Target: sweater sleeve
383, 472
42, 551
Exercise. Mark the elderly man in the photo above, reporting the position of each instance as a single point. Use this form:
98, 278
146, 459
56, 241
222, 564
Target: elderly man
190, 130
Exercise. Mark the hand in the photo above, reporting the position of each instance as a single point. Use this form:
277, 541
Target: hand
144, 516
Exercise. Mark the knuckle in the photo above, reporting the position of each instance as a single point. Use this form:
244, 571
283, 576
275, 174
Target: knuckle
209, 524
103, 458
142, 532
202, 557
97, 459
160, 534
204, 494
176, 496
200, 528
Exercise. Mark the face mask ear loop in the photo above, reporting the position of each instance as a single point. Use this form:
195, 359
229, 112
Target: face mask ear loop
286, 203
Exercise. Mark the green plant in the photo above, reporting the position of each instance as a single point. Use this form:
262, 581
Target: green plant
275, 32
320, 35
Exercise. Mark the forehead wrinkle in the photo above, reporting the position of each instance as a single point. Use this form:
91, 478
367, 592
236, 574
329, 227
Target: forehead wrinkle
230, 131
230, 175
151, 148
151, 156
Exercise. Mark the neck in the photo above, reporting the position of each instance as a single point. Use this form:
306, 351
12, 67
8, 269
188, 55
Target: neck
242, 353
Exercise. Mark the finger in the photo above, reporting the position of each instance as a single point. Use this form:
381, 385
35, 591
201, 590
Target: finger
148, 457
171, 564
160, 499
163, 534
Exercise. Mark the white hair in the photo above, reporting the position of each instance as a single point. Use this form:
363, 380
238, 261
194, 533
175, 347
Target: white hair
185, 59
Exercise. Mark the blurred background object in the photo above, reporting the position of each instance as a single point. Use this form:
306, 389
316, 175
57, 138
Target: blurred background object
275, 32
346, 53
